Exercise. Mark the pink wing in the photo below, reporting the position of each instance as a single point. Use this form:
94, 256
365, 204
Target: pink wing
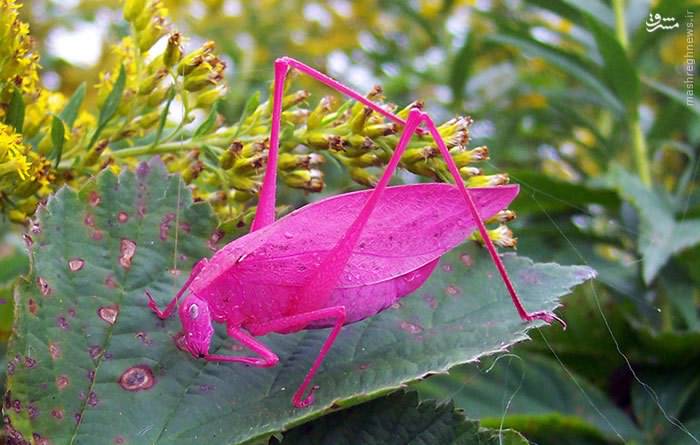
411, 226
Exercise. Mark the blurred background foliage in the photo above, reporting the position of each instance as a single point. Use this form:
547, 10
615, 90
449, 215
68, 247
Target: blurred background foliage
587, 110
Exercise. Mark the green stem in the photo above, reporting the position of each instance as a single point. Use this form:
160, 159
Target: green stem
166, 147
639, 144
620, 28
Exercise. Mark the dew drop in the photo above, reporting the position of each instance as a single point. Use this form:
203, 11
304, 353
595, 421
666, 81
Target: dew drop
122, 217
89, 220
76, 264
288, 235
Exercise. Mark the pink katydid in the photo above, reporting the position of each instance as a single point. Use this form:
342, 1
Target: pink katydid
335, 261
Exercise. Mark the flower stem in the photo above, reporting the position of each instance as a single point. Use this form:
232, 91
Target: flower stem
639, 144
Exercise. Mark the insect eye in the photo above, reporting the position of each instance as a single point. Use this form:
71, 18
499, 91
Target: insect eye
194, 311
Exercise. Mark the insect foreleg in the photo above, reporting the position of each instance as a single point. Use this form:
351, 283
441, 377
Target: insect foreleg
173, 303
300, 321
267, 357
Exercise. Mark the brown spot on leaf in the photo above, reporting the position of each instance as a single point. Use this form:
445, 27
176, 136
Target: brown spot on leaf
214, 239
92, 399
122, 217
127, 249
165, 225
95, 351
76, 264
137, 378
108, 313
62, 381
54, 350
94, 198
32, 306
452, 290
33, 410
467, 260
144, 338
29, 362
431, 301
62, 323
57, 413
96, 235
411, 328
110, 283
43, 286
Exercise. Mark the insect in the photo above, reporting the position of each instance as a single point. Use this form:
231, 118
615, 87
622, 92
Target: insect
335, 261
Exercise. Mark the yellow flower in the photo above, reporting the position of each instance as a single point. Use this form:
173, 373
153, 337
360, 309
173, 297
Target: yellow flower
18, 60
12, 153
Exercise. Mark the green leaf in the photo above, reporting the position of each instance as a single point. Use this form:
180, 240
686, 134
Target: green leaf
661, 235
568, 63
461, 67
208, 124
57, 139
109, 108
678, 392
15, 111
164, 116
463, 312
677, 96
574, 10
540, 192
617, 67
70, 111
399, 419
539, 395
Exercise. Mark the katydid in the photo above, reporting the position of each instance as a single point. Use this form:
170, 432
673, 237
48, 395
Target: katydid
335, 261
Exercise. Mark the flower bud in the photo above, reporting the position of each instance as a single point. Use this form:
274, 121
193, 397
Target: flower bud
173, 51
413, 155
501, 236
132, 9
488, 180
207, 97
192, 171
503, 216
380, 130
230, 155
309, 180
151, 82
150, 35
324, 107
294, 99
195, 58
359, 120
362, 176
